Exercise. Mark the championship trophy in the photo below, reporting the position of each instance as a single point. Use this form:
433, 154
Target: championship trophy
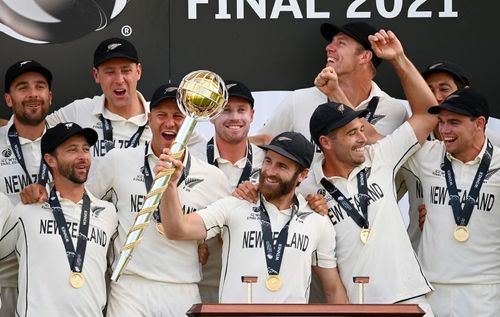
201, 96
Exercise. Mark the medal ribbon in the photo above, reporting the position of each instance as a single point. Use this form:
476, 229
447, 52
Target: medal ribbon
75, 258
148, 178
360, 220
107, 131
372, 106
462, 216
274, 253
43, 171
247, 170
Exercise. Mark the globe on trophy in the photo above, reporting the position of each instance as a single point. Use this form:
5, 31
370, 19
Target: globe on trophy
201, 96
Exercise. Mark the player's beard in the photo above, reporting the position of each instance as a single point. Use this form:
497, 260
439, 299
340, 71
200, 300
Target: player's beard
28, 116
68, 170
284, 187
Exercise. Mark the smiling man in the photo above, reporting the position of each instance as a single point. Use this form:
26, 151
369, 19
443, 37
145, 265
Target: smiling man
162, 277
239, 160
350, 58
276, 239
63, 243
120, 114
460, 180
28, 93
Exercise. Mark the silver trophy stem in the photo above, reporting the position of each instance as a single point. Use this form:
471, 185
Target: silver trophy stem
143, 217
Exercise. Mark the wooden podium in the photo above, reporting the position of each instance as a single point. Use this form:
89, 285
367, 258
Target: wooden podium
372, 310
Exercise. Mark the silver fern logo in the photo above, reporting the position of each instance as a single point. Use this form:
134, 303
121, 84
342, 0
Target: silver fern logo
190, 183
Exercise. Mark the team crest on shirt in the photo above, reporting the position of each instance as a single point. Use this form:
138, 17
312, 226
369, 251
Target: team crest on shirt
191, 182
96, 211
376, 118
490, 173
300, 217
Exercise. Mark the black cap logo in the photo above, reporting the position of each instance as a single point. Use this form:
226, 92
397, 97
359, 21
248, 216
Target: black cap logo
68, 125
435, 65
231, 86
169, 89
340, 108
21, 64
283, 138
113, 46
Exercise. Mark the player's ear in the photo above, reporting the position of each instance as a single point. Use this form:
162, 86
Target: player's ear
302, 175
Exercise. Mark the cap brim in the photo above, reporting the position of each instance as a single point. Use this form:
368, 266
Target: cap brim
345, 120
329, 31
243, 97
280, 151
156, 102
89, 134
115, 55
35, 68
444, 106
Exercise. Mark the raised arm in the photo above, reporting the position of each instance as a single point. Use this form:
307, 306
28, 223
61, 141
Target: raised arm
387, 46
328, 82
177, 226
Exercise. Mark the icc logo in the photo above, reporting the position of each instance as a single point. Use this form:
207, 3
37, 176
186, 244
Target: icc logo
56, 21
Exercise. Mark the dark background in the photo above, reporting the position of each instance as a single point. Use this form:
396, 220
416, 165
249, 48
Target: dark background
283, 53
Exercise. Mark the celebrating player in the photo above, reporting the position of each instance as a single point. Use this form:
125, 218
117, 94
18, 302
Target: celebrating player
274, 239
350, 66
459, 245
63, 243
161, 278
28, 93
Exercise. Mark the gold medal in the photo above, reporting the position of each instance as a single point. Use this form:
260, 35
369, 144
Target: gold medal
273, 283
364, 234
76, 279
461, 233
159, 228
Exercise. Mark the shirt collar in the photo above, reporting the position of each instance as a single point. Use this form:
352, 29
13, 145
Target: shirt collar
22, 140
240, 163
476, 160
375, 91
155, 158
317, 169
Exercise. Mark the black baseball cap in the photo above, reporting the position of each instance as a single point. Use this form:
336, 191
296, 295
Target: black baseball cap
357, 30
447, 67
294, 146
166, 91
25, 66
330, 116
55, 136
467, 102
238, 89
114, 48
